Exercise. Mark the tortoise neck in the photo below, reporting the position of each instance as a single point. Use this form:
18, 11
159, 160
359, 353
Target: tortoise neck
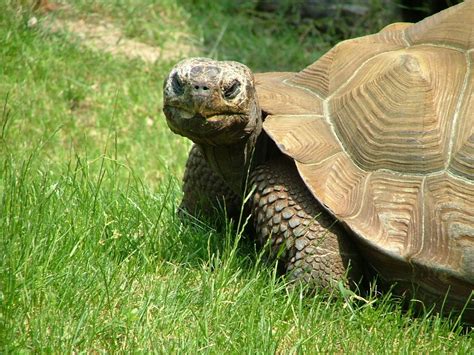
233, 161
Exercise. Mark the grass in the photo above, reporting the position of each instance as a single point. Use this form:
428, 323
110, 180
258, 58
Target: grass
92, 255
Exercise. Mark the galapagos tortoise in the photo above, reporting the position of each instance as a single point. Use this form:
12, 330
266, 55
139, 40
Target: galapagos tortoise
361, 162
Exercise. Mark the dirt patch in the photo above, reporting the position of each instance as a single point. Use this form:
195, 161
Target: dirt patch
106, 37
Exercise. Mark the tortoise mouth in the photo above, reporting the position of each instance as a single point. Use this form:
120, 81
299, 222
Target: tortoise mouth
214, 128
184, 114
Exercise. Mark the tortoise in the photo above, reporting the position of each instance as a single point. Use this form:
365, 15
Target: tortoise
361, 163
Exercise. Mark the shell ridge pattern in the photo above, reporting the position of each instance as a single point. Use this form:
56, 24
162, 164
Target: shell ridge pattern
325, 101
439, 45
343, 148
449, 26
333, 128
414, 253
322, 161
405, 39
312, 190
380, 124
287, 83
328, 118
391, 171
354, 74
326, 110
423, 218
283, 136
363, 198
299, 116
462, 96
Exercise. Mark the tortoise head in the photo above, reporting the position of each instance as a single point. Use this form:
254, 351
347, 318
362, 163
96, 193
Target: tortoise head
211, 102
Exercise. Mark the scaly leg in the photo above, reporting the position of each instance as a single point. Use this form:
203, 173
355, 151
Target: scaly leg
314, 248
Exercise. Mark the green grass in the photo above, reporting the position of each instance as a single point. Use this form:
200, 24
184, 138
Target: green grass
92, 255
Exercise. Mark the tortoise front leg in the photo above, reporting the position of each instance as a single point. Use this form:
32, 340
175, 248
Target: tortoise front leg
314, 248
204, 190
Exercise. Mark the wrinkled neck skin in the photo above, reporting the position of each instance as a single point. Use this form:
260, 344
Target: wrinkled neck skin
233, 160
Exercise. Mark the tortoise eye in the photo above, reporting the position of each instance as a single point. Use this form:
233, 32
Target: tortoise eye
177, 84
232, 90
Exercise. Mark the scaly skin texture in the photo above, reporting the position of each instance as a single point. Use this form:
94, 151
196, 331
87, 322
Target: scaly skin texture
204, 190
314, 248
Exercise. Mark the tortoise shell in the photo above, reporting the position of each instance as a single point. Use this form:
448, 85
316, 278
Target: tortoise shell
381, 129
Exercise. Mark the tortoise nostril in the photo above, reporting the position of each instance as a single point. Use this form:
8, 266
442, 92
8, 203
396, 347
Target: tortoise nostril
201, 87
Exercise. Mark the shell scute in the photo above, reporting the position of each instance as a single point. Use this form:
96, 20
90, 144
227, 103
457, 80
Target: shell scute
276, 97
329, 72
451, 27
306, 138
449, 225
462, 157
396, 112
